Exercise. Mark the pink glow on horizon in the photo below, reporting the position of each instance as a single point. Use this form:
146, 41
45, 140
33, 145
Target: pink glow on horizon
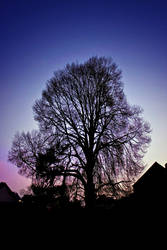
9, 174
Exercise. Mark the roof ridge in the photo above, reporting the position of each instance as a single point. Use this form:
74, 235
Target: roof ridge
155, 164
13, 194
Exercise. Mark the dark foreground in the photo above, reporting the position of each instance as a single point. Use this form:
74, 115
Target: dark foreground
127, 213
127, 226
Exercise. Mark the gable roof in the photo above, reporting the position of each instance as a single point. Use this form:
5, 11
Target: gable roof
155, 177
6, 194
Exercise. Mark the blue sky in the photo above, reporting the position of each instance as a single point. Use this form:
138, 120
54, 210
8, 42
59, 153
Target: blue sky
41, 36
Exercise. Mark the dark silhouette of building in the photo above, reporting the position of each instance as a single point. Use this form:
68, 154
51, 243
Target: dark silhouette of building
151, 188
7, 196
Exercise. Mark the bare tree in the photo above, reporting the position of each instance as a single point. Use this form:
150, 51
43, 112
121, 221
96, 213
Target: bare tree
85, 106
38, 156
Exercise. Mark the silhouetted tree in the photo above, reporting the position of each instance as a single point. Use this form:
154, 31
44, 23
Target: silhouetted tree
104, 137
40, 157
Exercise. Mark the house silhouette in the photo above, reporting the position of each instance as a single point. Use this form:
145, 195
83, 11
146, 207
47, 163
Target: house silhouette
7, 196
151, 188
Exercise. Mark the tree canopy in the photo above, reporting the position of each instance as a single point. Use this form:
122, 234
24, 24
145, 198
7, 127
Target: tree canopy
89, 136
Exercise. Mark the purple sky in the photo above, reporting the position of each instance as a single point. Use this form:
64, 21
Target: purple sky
41, 36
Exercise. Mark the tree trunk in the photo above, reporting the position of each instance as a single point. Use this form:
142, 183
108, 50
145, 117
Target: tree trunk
90, 193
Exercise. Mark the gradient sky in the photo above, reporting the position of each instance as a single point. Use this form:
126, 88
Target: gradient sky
41, 36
